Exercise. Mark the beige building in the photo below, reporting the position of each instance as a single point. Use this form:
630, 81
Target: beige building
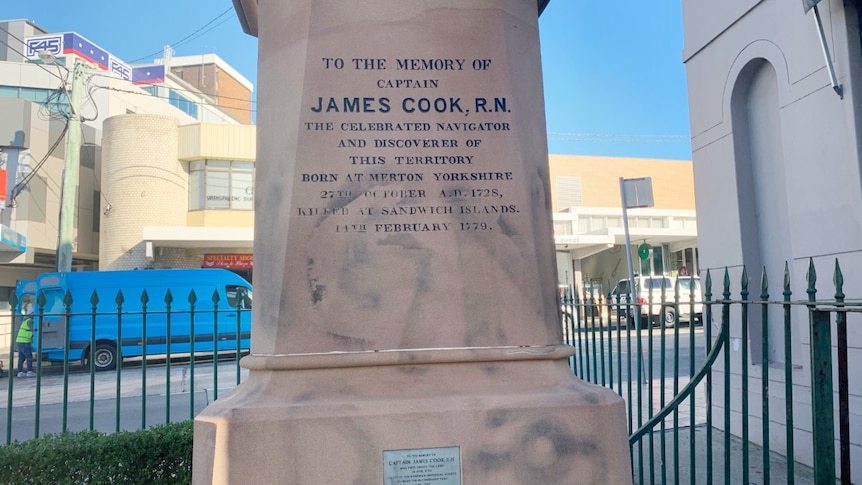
199, 178
166, 174
588, 219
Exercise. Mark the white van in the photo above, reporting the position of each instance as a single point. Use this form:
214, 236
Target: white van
690, 291
660, 306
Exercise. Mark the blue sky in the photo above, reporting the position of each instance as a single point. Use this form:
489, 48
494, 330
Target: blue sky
613, 72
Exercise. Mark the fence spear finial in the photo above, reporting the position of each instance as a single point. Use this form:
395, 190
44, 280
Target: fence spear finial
811, 276
726, 293
838, 280
708, 286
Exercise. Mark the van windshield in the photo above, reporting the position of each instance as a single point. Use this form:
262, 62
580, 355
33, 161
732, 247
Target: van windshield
245, 302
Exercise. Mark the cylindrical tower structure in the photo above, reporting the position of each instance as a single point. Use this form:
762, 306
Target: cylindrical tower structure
144, 184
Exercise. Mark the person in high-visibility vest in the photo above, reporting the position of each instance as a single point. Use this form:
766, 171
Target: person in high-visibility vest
24, 341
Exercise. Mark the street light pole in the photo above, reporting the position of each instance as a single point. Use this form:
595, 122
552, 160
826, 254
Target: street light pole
69, 186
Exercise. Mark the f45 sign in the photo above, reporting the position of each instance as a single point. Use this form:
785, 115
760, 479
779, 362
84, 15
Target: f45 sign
52, 44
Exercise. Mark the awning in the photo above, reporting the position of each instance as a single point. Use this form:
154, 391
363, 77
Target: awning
203, 238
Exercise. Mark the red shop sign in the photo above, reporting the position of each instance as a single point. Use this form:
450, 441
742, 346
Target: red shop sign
228, 260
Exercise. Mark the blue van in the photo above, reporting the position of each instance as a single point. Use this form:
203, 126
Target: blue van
110, 332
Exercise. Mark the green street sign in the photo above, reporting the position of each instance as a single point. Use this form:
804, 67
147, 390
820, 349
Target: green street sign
643, 251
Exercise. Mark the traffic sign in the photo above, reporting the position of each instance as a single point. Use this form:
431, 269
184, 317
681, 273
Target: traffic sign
643, 251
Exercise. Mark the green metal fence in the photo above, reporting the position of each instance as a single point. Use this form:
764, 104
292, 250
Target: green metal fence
153, 388
690, 420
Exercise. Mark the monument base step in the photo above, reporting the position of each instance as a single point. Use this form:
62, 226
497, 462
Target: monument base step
502, 422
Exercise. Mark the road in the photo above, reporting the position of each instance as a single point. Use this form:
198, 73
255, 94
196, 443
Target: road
604, 352
159, 393
608, 357
173, 393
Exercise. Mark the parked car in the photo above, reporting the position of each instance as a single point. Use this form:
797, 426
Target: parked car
690, 301
653, 295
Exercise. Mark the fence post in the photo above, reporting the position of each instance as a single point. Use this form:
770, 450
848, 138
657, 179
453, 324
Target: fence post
215, 300
67, 317
843, 378
16, 317
193, 298
823, 431
788, 377
169, 299
119, 369
145, 298
94, 303
743, 294
41, 300
707, 329
764, 377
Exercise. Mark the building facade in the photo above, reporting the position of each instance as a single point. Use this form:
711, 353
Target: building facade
588, 219
166, 174
775, 123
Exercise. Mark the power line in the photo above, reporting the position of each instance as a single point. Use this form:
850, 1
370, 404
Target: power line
181, 90
618, 138
19, 187
187, 38
62, 79
147, 93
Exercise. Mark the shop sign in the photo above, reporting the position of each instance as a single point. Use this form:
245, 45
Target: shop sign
228, 260
11, 240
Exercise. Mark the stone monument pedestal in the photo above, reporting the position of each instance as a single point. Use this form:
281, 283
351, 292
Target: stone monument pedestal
406, 326
512, 415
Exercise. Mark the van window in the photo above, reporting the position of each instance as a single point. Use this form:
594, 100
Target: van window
231, 290
658, 283
53, 302
686, 283
27, 303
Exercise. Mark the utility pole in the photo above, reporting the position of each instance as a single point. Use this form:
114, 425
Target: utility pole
69, 186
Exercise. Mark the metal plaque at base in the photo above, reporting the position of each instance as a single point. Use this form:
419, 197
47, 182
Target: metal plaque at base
429, 466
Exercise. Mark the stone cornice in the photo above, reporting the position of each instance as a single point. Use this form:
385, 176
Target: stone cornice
246, 10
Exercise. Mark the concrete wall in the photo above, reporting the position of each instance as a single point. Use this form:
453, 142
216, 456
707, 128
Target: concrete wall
672, 180
776, 156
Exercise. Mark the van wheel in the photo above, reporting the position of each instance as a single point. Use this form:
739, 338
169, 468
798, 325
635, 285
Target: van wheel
105, 357
669, 317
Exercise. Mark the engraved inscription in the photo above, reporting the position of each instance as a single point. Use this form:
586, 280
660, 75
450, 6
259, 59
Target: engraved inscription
430, 466
419, 160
